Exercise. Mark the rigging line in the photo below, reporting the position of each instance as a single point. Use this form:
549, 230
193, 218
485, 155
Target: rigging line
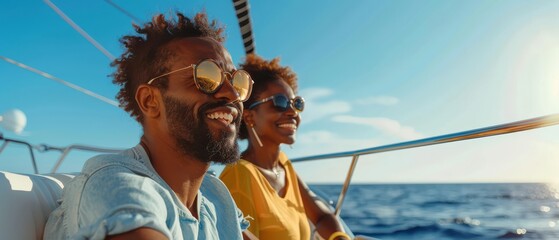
68, 84
243, 16
79, 30
135, 20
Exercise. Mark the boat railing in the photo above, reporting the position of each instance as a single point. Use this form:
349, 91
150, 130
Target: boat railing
28, 145
506, 128
517, 126
67, 150
45, 148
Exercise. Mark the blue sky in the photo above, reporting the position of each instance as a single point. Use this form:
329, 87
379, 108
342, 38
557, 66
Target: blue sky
372, 72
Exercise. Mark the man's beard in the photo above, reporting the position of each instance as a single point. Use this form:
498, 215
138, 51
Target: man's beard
193, 136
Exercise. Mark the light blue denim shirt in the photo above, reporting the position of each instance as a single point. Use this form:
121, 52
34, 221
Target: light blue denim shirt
117, 193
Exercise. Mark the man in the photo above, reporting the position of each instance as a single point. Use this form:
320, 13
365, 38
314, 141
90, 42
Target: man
179, 82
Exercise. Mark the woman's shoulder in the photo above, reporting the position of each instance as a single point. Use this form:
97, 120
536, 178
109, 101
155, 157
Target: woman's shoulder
240, 167
239, 176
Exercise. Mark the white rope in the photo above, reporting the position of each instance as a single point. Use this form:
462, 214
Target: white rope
135, 20
68, 84
79, 30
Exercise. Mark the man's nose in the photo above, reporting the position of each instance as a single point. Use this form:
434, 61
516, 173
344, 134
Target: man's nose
227, 91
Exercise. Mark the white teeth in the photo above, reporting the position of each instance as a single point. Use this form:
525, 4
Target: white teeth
288, 125
221, 115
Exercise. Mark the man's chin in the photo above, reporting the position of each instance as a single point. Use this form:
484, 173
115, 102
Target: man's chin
232, 153
229, 139
227, 160
224, 151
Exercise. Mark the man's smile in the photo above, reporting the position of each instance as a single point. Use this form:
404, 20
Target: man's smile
226, 116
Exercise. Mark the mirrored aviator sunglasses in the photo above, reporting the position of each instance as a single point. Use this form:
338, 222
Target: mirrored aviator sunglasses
282, 103
209, 77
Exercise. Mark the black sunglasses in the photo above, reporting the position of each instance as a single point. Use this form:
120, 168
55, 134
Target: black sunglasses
282, 103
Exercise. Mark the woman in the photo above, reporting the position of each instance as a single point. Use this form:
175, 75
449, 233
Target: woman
264, 183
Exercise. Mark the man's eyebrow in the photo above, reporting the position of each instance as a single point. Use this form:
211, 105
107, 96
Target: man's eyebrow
224, 66
233, 67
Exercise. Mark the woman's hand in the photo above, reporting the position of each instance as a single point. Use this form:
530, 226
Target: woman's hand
325, 222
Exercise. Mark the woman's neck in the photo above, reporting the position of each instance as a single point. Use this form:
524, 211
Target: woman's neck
265, 157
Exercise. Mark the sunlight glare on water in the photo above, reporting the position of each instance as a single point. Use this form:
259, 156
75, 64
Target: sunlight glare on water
521, 231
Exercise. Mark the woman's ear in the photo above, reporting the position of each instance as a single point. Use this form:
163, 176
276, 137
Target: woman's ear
248, 117
148, 100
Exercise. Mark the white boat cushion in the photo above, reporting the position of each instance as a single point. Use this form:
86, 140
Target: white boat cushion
26, 200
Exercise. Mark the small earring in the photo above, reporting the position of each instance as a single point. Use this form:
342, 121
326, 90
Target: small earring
256, 135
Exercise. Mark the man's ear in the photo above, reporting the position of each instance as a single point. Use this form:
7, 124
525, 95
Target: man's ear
148, 99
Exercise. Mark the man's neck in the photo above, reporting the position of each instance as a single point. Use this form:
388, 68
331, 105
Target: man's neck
183, 173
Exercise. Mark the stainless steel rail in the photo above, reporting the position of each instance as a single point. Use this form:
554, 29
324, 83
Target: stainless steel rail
44, 148
518, 126
512, 127
29, 146
67, 150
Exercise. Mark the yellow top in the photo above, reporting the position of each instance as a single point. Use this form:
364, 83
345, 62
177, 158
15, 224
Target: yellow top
275, 217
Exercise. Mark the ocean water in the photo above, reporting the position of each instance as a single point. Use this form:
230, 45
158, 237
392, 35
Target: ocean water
450, 211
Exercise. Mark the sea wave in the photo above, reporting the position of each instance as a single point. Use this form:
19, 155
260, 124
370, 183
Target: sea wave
439, 203
450, 211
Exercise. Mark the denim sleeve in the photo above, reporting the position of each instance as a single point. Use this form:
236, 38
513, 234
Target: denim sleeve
115, 200
231, 221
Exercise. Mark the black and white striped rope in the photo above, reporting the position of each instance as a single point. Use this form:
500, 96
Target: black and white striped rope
243, 16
